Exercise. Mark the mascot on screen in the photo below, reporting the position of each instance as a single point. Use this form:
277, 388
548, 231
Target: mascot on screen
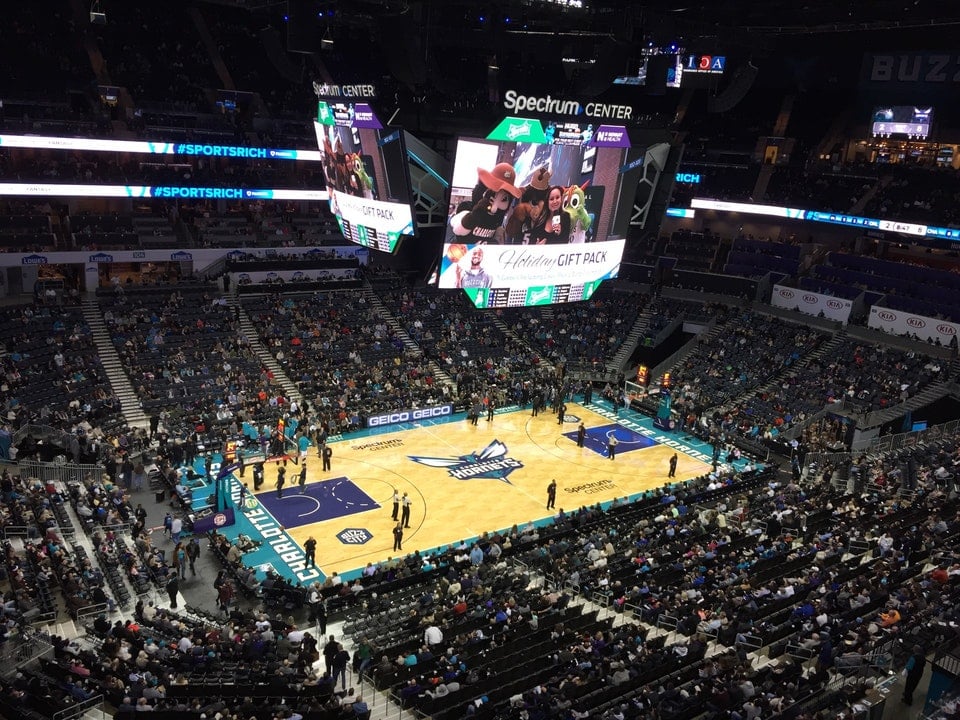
528, 214
364, 181
481, 218
574, 205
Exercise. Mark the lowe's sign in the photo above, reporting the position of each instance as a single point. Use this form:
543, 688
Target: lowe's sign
410, 415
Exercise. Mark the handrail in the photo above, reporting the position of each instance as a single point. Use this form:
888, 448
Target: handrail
91, 611
79, 708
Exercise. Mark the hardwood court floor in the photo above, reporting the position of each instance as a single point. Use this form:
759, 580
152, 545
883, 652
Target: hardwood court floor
465, 479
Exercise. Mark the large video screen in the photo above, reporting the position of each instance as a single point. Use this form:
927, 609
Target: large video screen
366, 174
902, 120
538, 213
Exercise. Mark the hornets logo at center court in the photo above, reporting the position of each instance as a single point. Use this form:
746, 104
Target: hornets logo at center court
490, 463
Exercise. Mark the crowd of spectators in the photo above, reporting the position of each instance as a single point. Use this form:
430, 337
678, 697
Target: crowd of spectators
52, 373
856, 376
470, 347
183, 349
725, 559
579, 333
748, 350
343, 355
732, 564
662, 311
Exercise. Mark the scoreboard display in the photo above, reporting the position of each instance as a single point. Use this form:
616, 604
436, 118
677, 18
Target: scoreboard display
902, 120
366, 175
538, 212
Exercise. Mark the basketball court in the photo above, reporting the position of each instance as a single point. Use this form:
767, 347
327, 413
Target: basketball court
463, 480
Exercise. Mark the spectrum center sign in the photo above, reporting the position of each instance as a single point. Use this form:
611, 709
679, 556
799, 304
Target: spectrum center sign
516, 102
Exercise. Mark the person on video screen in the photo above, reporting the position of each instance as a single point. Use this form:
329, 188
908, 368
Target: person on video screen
474, 276
555, 228
481, 220
529, 213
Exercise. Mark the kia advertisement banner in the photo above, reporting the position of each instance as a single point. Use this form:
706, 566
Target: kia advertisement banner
811, 303
899, 322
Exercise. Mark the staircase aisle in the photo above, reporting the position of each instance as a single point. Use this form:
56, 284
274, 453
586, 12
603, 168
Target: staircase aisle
409, 345
703, 338
290, 389
828, 349
546, 314
120, 383
630, 342
928, 395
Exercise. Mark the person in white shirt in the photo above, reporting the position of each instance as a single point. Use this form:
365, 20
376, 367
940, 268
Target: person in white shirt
432, 635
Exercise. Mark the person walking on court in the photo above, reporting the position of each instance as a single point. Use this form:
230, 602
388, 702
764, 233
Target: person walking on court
281, 479
491, 405
329, 651
225, 596
310, 551
180, 561
321, 616
398, 537
396, 505
612, 443
193, 554
551, 494
914, 671
257, 476
406, 502
581, 435
302, 479
561, 411
340, 661
327, 454
176, 527
173, 589
673, 466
